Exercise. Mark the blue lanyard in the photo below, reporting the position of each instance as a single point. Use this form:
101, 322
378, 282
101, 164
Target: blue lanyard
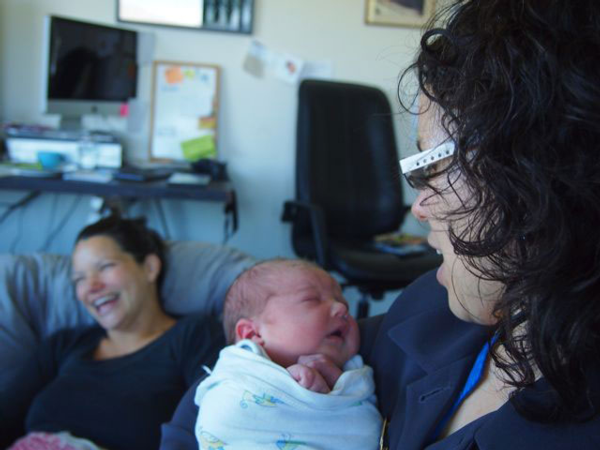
472, 381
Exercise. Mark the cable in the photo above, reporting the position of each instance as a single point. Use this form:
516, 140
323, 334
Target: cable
22, 202
19, 232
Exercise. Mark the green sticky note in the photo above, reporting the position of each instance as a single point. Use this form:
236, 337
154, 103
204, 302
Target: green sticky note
202, 147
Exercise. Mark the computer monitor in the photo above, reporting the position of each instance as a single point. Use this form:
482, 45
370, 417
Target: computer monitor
89, 69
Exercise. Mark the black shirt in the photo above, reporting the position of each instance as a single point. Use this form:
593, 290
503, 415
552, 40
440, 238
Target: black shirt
117, 403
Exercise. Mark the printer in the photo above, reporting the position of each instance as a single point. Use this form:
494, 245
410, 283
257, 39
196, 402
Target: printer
22, 146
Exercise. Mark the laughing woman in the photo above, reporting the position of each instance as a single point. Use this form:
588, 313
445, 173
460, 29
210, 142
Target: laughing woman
114, 383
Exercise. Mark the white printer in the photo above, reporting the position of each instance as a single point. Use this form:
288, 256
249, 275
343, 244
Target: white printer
22, 146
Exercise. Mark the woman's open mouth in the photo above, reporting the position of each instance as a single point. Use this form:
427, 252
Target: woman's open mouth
105, 303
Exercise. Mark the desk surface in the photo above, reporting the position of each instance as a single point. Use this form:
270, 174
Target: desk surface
218, 191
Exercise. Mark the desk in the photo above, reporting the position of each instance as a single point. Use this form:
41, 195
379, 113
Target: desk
115, 192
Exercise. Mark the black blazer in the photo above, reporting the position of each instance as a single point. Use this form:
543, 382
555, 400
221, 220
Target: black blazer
421, 354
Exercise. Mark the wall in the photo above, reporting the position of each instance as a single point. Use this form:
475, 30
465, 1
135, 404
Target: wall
257, 117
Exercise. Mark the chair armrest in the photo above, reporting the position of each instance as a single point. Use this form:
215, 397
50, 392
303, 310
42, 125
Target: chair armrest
317, 223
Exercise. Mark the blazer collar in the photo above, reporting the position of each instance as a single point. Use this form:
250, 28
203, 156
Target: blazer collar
435, 338
445, 348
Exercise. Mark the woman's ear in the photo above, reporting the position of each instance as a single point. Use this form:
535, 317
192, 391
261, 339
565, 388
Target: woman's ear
152, 266
248, 329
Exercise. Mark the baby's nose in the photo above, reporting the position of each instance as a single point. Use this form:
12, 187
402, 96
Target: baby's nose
339, 309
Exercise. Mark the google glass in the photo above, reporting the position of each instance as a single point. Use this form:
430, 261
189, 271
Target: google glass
426, 158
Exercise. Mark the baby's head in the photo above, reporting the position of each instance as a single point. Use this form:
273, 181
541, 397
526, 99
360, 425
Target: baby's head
291, 308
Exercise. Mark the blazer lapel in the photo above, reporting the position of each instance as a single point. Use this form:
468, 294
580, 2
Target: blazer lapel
445, 348
427, 400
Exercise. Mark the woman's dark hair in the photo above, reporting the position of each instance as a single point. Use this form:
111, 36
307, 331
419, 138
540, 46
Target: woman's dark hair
518, 86
133, 236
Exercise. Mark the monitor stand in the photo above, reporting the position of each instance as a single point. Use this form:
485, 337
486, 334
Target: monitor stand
72, 123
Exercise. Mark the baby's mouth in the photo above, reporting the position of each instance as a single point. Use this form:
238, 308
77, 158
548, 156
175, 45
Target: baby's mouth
339, 332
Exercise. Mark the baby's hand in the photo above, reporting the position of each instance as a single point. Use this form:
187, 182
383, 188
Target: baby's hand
324, 366
309, 378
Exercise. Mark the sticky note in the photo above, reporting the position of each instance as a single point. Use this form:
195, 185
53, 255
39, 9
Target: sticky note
208, 122
202, 147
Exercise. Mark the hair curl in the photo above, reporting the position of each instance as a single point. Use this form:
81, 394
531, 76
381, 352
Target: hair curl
132, 236
517, 83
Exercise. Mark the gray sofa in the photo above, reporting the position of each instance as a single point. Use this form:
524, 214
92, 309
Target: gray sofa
37, 298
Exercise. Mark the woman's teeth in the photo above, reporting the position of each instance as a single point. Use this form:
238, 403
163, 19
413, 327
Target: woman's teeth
102, 300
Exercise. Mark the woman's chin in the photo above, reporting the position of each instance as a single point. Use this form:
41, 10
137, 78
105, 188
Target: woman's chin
439, 275
108, 321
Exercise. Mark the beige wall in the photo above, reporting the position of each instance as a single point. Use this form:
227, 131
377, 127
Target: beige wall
257, 117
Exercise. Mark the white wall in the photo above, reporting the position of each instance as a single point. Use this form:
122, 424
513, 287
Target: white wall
257, 116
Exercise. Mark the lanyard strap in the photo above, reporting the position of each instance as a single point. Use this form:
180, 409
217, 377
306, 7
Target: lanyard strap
472, 380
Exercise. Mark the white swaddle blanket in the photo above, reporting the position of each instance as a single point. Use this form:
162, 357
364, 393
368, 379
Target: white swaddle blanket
249, 402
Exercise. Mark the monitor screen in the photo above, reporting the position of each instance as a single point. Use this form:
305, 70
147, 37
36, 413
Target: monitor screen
90, 68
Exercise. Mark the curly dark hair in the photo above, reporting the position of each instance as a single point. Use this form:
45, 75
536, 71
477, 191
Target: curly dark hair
132, 236
518, 86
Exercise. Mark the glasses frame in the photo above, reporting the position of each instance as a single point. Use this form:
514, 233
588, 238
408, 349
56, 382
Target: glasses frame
427, 157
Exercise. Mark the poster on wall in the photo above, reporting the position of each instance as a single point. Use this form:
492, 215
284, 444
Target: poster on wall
401, 13
234, 16
180, 13
184, 111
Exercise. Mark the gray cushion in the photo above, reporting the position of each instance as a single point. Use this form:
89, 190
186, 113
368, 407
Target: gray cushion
37, 298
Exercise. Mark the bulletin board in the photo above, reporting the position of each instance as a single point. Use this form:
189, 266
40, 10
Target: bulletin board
185, 105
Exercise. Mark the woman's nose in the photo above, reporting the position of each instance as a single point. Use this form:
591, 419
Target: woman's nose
94, 283
418, 209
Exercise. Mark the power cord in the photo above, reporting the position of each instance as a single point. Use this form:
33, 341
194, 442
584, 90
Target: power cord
22, 202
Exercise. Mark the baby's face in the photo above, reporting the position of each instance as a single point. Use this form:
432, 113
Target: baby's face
307, 315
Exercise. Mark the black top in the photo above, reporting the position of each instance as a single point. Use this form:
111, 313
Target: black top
118, 403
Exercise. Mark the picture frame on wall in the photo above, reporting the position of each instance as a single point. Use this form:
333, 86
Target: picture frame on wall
233, 16
399, 13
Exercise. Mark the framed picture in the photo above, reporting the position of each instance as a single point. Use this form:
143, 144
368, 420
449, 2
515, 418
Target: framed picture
234, 16
185, 106
400, 13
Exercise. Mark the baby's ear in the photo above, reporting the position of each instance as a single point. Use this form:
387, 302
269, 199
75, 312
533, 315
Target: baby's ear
247, 329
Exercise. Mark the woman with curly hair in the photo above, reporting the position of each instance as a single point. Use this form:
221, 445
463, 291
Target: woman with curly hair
509, 182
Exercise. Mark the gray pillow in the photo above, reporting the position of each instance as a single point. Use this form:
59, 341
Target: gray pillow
37, 298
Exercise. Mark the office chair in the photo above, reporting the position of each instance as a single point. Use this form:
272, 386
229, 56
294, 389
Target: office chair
348, 189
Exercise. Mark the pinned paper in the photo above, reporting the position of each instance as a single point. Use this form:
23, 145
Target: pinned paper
202, 147
284, 66
288, 68
174, 75
208, 123
257, 59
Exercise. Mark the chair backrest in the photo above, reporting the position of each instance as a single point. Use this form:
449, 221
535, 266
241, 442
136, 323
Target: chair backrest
347, 160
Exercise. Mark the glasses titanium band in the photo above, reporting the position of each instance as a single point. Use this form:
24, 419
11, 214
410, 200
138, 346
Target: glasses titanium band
426, 157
